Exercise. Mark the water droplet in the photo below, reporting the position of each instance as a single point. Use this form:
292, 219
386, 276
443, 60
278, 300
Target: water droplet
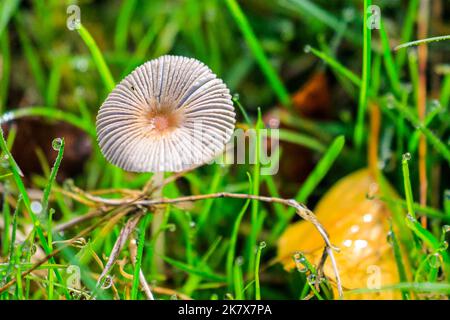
236, 96
7, 116
171, 227
300, 262
57, 143
262, 244
410, 220
435, 105
68, 184
192, 224
76, 295
4, 161
434, 261
214, 296
79, 92
36, 207
107, 282
311, 279
390, 237
444, 246
390, 101
347, 243
348, 14
373, 189
307, 48
406, 156
81, 64
445, 229
240, 261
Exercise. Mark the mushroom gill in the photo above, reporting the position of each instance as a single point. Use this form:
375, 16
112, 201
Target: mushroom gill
169, 114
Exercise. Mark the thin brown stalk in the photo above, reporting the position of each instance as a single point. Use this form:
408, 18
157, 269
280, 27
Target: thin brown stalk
375, 122
301, 210
422, 31
118, 245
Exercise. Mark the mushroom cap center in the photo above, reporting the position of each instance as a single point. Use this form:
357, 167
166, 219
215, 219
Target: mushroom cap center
163, 121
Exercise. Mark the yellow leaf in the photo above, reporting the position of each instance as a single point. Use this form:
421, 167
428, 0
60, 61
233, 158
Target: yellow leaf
359, 226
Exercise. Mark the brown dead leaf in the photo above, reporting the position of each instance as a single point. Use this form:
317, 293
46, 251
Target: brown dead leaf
359, 226
313, 98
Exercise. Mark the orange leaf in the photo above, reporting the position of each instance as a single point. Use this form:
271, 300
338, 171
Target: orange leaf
359, 226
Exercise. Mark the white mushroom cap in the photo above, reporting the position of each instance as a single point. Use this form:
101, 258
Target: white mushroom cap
169, 114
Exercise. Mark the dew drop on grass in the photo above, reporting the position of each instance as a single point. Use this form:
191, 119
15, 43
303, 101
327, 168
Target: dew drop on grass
57, 143
300, 262
406, 156
390, 101
239, 261
192, 224
4, 161
435, 260
348, 14
307, 48
311, 279
444, 246
373, 189
68, 184
107, 282
445, 229
435, 105
171, 227
262, 244
390, 237
36, 207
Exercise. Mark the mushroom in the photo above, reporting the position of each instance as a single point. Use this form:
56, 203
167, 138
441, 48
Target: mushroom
169, 115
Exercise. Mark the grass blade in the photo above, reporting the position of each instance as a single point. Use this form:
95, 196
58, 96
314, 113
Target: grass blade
336, 66
365, 78
233, 239
319, 172
97, 56
123, 22
49, 113
7, 9
137, 266
422, 41
258, 52
434, 141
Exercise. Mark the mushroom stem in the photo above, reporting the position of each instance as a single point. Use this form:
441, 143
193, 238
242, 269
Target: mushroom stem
158, 219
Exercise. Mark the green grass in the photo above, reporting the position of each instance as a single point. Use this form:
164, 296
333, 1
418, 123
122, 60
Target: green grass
422, 41
140, 250
219, 248
98, 59
365, 76
258, 52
